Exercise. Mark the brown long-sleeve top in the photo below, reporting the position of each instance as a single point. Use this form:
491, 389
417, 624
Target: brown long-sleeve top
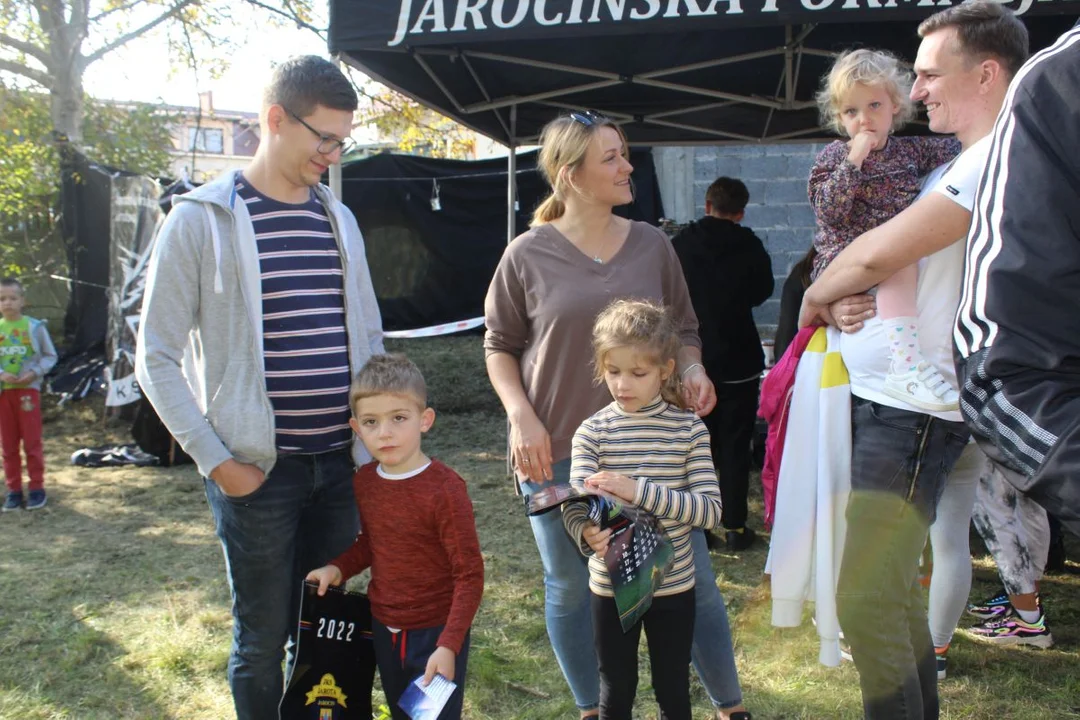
543, 301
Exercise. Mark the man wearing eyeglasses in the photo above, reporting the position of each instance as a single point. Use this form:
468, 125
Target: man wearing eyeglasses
260, 278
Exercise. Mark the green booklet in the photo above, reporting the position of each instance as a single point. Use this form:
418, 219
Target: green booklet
638, 558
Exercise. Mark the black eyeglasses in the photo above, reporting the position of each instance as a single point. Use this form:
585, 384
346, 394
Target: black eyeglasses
327, 144
588, 118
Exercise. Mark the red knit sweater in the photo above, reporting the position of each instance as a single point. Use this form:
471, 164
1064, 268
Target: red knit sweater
418, 536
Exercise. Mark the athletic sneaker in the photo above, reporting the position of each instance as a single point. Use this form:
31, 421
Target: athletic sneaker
942, 657
924, 387
992, 608
36, 501
13, 501
1014, 630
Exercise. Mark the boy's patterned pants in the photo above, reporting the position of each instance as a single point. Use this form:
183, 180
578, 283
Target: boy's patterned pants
20, 422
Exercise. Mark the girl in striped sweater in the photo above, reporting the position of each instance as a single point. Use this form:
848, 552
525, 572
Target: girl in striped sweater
647, 450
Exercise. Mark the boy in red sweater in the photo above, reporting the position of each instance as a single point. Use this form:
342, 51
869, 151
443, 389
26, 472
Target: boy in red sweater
418, 536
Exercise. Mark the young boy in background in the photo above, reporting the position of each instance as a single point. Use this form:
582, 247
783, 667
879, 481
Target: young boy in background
418, 536
26, 355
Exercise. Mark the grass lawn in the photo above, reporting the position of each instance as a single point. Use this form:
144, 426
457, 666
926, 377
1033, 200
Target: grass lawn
113, 600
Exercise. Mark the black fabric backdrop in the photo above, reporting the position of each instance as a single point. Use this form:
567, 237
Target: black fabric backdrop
85, 203
431, 267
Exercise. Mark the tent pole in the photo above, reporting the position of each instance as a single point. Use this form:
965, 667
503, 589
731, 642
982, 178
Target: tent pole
511, 178
335, 180
335, 169
511, 231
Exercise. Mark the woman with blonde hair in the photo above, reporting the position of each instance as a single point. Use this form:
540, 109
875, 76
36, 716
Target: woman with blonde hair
550, 285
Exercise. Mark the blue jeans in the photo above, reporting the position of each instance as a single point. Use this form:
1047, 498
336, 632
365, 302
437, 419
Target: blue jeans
302, 517
569, 619
900, 461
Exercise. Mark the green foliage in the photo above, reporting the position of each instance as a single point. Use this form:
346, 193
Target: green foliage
129, 137
28, 163
414, 128
134, 137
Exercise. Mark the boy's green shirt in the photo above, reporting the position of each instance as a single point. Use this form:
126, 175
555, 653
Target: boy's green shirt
16, 346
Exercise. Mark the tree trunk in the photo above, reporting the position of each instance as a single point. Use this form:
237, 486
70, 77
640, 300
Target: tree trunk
67, 104
66, 34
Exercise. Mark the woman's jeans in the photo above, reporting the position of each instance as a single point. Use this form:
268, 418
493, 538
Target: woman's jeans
569, 618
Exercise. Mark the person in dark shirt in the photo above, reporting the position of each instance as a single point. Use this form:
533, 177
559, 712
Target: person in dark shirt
1017, 331
787, 325
728, 273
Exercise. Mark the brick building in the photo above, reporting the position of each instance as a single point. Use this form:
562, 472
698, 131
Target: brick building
779, 210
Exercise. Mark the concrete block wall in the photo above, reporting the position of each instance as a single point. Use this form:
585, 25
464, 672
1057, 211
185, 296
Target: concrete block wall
779, 211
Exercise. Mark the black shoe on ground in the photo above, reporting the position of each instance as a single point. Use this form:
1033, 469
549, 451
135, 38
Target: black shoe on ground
737, 540
13, 501
36, 500
713, 541
742, 715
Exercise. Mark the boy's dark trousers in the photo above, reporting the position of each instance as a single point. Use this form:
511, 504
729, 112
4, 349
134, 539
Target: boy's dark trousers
669, 630
20, 421
403, 655
731, 430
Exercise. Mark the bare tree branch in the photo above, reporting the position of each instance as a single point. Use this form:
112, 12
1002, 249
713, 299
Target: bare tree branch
41, 78
118, 8
137, 32
79, 10
45, 18
26, 48
291, 17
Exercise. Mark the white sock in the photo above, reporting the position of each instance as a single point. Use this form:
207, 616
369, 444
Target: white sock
1029, 616
903, 335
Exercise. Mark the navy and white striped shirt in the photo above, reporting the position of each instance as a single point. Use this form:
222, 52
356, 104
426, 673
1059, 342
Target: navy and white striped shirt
305, 343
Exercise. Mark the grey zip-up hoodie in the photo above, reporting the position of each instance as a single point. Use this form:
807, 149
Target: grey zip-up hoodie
43, 357
204, 294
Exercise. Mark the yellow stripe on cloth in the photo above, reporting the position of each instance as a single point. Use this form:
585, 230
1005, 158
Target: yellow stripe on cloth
834, 372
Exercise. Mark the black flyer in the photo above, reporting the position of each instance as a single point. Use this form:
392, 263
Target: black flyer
335, 658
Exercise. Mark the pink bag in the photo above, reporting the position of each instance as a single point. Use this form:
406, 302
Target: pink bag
776, 391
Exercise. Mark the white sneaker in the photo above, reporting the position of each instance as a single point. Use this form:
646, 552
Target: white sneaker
924, 388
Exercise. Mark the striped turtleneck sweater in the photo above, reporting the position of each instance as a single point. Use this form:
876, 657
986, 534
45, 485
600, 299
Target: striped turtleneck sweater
666, 450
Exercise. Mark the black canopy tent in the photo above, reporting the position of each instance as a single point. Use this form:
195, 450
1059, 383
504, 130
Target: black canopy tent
669, 71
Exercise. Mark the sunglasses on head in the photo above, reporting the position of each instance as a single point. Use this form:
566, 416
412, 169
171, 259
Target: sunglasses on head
588, 118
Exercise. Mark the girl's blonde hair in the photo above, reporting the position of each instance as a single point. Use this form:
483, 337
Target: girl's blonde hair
647, 326
564, 142
865, 67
